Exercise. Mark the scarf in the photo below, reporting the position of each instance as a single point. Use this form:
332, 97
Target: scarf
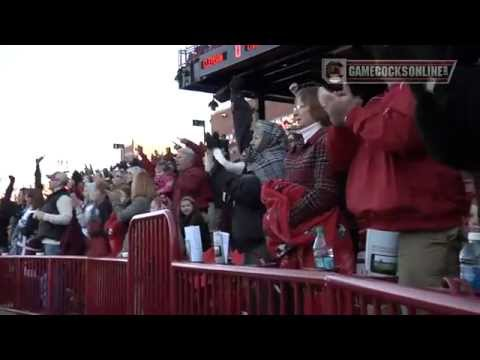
267, 160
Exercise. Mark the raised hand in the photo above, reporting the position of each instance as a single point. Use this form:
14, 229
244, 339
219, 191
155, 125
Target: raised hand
338, 104
12, 178
38, 160
184, 141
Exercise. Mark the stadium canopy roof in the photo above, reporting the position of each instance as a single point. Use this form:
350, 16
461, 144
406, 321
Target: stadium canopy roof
268, 70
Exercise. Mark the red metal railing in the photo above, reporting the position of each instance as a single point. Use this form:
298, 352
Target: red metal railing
66, 285
32, 281
8, 283
106, 287
152, 246
43, 285
150, 283
377, 298
233, 290
63, 285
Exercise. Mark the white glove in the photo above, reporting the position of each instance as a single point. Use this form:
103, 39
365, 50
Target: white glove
218, 155
39, 215
236, 168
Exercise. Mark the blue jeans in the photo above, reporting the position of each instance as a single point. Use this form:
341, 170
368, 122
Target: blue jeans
52, 249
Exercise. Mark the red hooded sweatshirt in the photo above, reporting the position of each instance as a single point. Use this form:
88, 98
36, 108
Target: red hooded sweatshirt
393, 184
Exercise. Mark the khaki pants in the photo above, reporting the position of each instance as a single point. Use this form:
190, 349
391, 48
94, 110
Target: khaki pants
426, 257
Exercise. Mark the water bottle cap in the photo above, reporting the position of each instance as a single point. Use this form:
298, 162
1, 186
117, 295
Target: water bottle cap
474, 236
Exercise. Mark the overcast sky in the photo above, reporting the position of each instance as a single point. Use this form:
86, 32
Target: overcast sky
72, 103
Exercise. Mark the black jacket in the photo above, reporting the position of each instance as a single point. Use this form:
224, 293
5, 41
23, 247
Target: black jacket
7, 210
242, 207
247, 212
105, 210
242, 120
49, 230
196, 219
30, 227
448, 119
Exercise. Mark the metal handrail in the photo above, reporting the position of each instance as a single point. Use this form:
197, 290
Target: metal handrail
429, 300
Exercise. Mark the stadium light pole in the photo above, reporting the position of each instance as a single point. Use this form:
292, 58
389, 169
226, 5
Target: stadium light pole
122, 150
202, 124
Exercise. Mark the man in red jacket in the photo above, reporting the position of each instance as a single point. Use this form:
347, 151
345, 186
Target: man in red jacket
394, 185
192, 181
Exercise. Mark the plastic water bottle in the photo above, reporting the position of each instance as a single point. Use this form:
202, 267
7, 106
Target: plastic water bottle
322, 253
470, 261
361, 269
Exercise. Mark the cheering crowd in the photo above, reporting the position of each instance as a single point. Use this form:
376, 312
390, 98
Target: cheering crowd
350, 161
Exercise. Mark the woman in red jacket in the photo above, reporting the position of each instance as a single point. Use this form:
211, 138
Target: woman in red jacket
394, 185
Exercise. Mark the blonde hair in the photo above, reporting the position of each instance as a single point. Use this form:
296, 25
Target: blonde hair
101, 186
142, 185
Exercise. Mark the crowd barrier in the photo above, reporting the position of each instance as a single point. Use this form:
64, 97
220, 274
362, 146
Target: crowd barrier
204, 289
106, 286
155, 281
152, 246
58, 285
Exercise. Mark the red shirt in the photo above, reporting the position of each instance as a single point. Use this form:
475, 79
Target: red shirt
393, 184
193, 182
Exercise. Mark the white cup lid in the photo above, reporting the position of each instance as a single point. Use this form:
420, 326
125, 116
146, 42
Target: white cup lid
474, 236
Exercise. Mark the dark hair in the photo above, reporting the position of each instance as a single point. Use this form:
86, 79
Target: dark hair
77, 177
135, 162
37, 198
166, 165
188, 198
334, 68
